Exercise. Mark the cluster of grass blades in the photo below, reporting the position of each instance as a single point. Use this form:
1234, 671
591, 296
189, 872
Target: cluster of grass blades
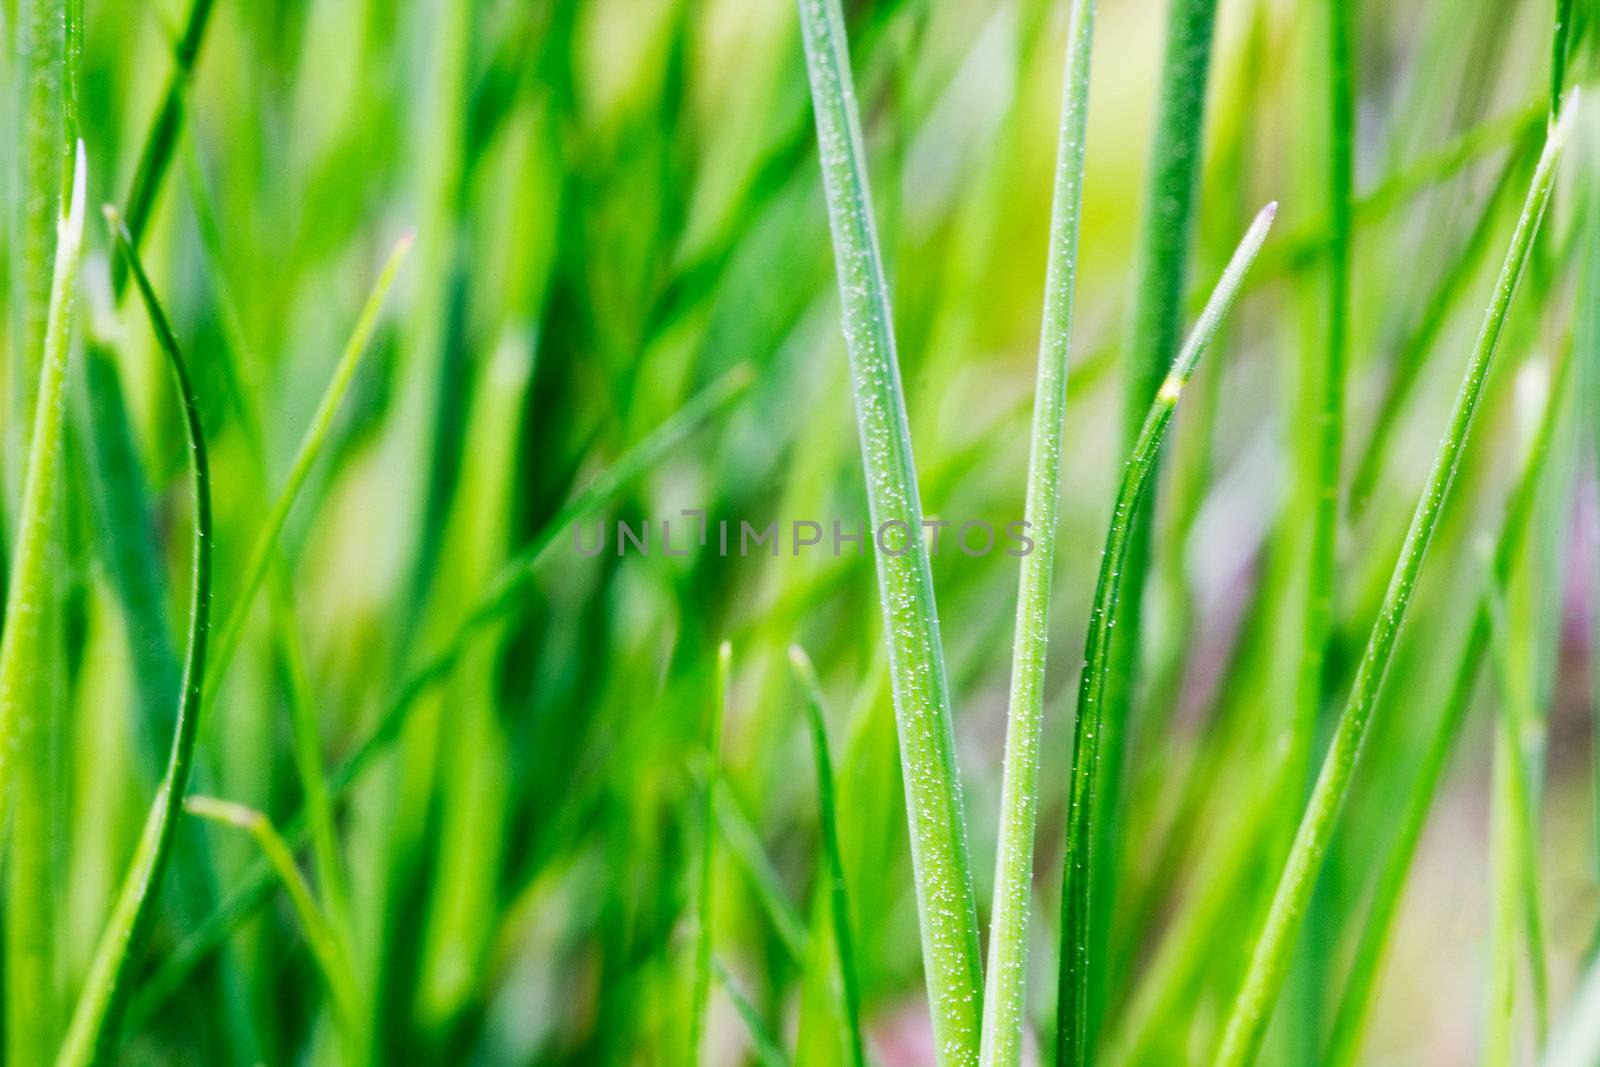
325, 739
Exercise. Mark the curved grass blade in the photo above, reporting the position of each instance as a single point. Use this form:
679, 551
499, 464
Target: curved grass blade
326, 948
946, 908
1072, 1006
262, 553
93, 1028
1373, 943
30, 701
700, 991
502, 598
1268, 965
839, 897
1005, 997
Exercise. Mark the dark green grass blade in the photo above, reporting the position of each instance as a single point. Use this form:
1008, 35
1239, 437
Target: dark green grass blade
502, 597
700, 991
161, 139
1559, 41
1072, 1008
93, 1029
1166, 228
1269, 962
839, 897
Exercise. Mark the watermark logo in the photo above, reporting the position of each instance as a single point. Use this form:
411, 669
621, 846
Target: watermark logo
693, 532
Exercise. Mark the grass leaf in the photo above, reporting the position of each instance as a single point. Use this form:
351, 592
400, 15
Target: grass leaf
262, 553
1264, 977
31, 700
946, 907
839, 896
499, 600
1072, 1006
1005, 997
93, 1028
700, 989
1374, 941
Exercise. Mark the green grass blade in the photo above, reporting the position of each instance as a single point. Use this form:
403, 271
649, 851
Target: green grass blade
1166, 229
700, 990
1374, 940
765, 1047
1320, 478
1558, 55
316, 435
1513, 846
946, 907
161, 138
93, 1028
502, 597
744, 846
839, 896
1264, 977
38, 34
31, 703
332, 958
1072, 1007
1005, 998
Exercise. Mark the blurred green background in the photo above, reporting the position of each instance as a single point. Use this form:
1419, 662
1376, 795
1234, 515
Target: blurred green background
617, 202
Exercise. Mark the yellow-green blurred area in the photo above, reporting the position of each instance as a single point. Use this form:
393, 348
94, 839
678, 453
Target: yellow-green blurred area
615, 205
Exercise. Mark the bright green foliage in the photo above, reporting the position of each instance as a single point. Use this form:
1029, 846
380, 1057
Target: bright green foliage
479, 518
1265, 976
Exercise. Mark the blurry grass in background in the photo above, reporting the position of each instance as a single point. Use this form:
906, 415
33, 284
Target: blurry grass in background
484, 752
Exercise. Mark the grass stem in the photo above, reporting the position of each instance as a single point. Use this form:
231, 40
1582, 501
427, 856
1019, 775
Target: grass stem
1269, 960
946, 907
1072, 1009
1005, 998
92, 1032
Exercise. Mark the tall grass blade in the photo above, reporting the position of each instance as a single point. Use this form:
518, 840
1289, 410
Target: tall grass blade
763, 1045
330, 953
316, 435
1072, 1006
1374, 940
839, 896
943, 868
743, 843
1166, 229
30, 698
503, 596
1005, 998
1513, 842
1264, 976
92, 1031
700, 990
